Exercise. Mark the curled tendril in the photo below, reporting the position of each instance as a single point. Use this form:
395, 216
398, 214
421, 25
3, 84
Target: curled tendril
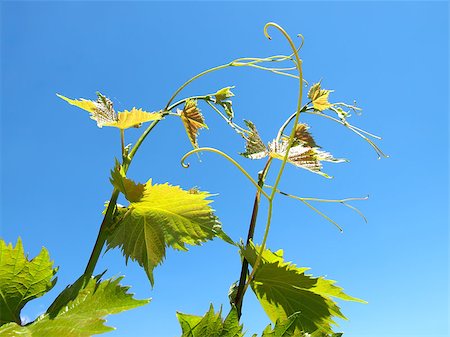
227, 157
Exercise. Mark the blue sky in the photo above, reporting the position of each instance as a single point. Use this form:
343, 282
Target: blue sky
392, 57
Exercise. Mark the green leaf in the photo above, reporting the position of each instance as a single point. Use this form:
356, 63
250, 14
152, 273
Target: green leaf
254, 147
22, 280
283, 289
134, 118
192, 120
211, 324
319, 97
165, 216
82, 317
101, 111
284, 328
132, 191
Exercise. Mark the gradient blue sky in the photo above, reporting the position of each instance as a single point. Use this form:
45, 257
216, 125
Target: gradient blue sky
390, 56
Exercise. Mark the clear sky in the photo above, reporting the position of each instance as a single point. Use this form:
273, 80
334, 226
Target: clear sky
392, 57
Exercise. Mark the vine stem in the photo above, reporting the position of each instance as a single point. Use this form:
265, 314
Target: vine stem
251, 230
107, 219
283, 163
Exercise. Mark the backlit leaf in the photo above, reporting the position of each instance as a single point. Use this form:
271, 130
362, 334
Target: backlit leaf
134, 118
165, 216
193, 120
132, 191
254, 147
223, 94
284, 289
302, 156
319, 97
82, 317
21, 279
303, 136
284, 328
101, 111
210, 325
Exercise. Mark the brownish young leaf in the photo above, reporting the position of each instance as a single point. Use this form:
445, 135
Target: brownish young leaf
193, 120
254, 148
303, 136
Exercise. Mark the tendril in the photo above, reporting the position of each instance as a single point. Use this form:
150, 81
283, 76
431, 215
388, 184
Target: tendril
227, 157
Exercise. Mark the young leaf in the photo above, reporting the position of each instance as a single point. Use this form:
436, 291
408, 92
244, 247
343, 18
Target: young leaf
82, 317
303, 136
284, 289
165, 216
210, 325
319, 97
283, 328
193, 120
223, 94
134, 118
22, 280
303, 156
254, 147
102, 110
132, 191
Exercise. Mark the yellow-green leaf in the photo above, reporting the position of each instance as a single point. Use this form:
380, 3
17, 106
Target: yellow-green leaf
319, 97
284, 289
132, 191
83, 316
165, 216
134, 118
22, 279
223, 94
193, 120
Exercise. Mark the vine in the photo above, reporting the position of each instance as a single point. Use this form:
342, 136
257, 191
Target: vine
161, 216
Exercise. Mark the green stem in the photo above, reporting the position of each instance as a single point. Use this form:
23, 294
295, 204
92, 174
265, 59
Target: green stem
291, 140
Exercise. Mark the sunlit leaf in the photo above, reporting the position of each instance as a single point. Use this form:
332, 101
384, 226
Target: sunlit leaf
303, 136
223, 94
134, 118
284, 289
193, 120
284, 328
132, 191
21, 279
319, 97
302, 156
83, 316
211, 324
165, 216
254, 147
101, 111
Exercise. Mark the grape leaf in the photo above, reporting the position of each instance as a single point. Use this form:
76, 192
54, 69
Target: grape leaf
319, 97
303, 156
132, 191
223, 94
134, 118
193, 120
165, 216
82, 317
210, 325
283, 289
101, 111
303, 137
283, 328
254, 147
21, 279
